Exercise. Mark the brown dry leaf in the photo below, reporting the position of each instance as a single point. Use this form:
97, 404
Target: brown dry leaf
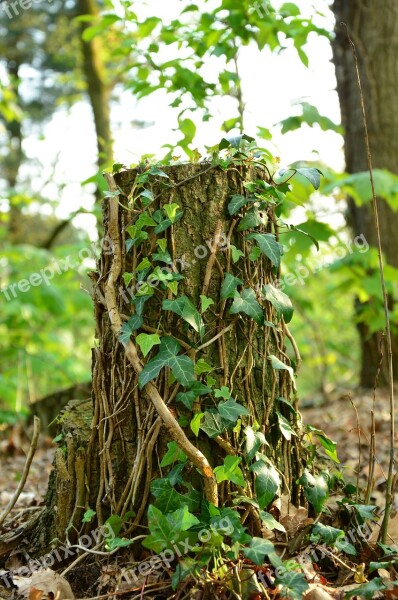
35, 594
296, 521
317, 592
49, 583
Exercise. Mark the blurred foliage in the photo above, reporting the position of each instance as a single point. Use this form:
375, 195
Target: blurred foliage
47, 331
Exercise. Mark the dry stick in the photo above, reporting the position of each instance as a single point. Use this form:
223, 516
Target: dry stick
388, 502
176, 432
372, 446
359, 443
25, 472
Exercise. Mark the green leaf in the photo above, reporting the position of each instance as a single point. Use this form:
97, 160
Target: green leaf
213, 424
247, 303
171, 211
173, 454
223, 392
293, 585
184, 308
202, 366
237, 202
316, 489
367, 590
231, 410
268, 246
166, 529
182, 368
144, 264
267, 482
254, 441
278, 365
229, 286
312, 174
326, 533
280, 301
253, 218
147, 341
144, 220
196, 422
285, 427
236, 253
230, 471
270, 522
127, 329
88, 515
205, 302
326, 443
258, 549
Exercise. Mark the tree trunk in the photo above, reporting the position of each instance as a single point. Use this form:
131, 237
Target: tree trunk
374, 31
97, 88
131, 427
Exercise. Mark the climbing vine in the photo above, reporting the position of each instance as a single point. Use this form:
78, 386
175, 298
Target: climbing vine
210, 357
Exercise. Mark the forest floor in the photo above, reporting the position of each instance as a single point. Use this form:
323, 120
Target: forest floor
347, 422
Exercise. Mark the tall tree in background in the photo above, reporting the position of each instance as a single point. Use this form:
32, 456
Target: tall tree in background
373, 29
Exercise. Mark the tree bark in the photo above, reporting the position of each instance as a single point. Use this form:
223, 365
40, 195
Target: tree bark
374, 31
109, 467
97, 87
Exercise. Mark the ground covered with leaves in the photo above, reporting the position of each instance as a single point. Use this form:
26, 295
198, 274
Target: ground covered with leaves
333, 554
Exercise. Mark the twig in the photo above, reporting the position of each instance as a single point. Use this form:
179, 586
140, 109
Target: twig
359, 443
175, 430
296, 351
212, 258
388, 501
25, 472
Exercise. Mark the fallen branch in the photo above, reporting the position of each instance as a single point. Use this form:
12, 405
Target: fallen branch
25, 472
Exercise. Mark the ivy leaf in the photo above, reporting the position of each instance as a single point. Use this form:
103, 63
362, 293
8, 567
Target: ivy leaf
247, 303
254, 441
173, 454
270, 522
166, 223
267, 482
280, 301
171, 211
328, 445
268, 246
285, 427
230, 471
195, 422
367, 590
147, 341
205, 302
127, 329
258, 549
326, 533
213, 424
278, 365
88, 515
253, 218
312, 174
231, 410
166, 529
223, 392
237, 202
316, 489
182, 366
202, 366
235, 253
293, 585
144, 220
184, 308
229, 286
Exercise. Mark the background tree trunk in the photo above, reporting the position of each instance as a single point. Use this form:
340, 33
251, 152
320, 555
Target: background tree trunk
121, 453
374, 30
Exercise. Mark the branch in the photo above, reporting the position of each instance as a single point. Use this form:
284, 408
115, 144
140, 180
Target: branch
25, 472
